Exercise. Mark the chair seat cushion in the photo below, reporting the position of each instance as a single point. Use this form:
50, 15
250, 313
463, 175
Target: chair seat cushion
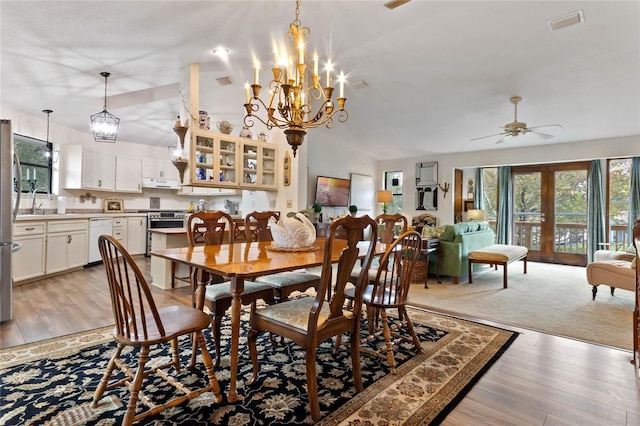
285, 279
223, 290
295, 313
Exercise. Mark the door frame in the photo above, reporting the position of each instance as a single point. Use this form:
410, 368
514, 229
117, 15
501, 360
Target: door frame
547, 251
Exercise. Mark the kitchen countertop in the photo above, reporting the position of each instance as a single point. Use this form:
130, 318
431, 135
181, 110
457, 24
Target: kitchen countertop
35, 217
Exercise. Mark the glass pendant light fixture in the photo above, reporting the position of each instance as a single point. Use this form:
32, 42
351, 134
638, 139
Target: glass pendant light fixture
49, 152
104, 124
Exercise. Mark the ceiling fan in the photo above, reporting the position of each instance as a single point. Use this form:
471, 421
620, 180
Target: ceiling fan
517, 128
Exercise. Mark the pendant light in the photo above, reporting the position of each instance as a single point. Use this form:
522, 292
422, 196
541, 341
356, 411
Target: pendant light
49, 152
104, 124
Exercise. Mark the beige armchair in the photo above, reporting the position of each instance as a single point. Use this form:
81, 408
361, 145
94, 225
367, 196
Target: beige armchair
612, 268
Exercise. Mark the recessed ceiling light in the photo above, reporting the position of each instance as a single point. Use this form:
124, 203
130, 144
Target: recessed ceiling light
222, 52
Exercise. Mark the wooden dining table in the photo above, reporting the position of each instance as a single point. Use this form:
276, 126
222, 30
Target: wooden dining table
247, 260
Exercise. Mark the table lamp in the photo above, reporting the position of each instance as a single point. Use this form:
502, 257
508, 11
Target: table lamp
475, 215
384, 197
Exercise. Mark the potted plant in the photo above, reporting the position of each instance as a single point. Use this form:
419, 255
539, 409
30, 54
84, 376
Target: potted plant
353, 209
317, 208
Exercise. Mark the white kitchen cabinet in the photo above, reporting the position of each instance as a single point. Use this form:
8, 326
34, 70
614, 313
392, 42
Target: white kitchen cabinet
87, 169
28, 262
120, 231
159, 169
66, 244
223, 161
210, 192
137, 235
128, 174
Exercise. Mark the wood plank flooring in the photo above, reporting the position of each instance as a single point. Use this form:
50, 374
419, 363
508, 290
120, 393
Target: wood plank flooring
540, 380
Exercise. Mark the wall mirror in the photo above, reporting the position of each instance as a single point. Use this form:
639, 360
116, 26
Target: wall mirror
427, 198
427, 174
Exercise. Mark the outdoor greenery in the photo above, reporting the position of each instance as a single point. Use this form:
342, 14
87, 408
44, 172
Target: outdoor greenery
36, 168
570, 194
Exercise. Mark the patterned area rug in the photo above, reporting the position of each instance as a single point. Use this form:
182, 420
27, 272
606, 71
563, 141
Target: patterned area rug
52, 382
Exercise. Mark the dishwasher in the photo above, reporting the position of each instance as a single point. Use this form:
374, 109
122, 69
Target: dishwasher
98, 226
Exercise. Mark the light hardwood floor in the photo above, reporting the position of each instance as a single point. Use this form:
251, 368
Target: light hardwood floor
540, 379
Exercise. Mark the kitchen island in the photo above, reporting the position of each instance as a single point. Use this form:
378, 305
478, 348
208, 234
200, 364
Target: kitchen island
162, 270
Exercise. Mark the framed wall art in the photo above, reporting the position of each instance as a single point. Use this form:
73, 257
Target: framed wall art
113, 206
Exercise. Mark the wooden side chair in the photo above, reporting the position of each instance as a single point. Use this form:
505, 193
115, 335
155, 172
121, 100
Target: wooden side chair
284, 283
140, 324
387, 223
389, 290
209, 228
308, 321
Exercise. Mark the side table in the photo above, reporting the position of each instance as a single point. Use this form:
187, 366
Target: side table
431, 245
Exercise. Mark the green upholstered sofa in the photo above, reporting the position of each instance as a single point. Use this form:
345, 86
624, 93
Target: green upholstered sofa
456, 241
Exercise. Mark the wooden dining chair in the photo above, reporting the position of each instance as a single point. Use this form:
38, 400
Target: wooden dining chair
140, 324
387, 223
389, 290
210, 228
283, 283
308, 321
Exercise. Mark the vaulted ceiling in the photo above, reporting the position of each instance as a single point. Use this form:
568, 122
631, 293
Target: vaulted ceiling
437, 73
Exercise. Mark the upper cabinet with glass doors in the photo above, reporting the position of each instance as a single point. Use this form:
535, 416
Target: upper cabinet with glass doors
217, 160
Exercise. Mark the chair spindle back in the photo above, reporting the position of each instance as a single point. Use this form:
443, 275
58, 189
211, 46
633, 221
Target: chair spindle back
256, 225
209, 228
392, 283
131, 299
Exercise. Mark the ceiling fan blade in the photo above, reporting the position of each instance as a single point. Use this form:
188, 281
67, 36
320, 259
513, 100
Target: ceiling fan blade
543, 135
546, 125
503, 139
490, 136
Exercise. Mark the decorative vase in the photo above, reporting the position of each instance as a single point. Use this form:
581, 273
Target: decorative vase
246, 133
224, 127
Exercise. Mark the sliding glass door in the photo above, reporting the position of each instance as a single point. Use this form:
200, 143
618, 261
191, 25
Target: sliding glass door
550, 211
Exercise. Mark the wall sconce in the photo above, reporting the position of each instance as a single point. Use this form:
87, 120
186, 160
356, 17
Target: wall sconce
384, 197
444, 189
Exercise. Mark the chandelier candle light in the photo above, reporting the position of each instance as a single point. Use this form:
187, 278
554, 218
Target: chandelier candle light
294, 89
104, 124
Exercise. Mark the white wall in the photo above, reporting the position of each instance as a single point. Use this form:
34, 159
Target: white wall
447, 163
331, 157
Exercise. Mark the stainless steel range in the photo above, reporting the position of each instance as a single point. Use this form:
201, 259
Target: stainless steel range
163, 219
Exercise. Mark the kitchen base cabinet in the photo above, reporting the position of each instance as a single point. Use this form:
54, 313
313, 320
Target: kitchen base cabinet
137, 235
120, 231
28, 262
66, 245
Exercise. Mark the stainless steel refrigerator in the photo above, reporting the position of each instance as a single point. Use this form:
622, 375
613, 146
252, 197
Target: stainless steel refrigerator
9, 167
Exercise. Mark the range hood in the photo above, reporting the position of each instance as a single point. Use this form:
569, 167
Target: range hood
160, 183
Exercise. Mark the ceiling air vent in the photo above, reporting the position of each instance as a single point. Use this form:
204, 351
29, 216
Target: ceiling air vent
395, 3
360, 84
566, 21
224, 81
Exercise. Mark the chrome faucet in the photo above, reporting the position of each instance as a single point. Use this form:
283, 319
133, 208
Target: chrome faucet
34, 209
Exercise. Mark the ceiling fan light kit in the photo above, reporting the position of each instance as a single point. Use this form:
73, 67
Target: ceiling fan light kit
517, 128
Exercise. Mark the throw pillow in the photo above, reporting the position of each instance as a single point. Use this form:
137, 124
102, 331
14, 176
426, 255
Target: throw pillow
428, 231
